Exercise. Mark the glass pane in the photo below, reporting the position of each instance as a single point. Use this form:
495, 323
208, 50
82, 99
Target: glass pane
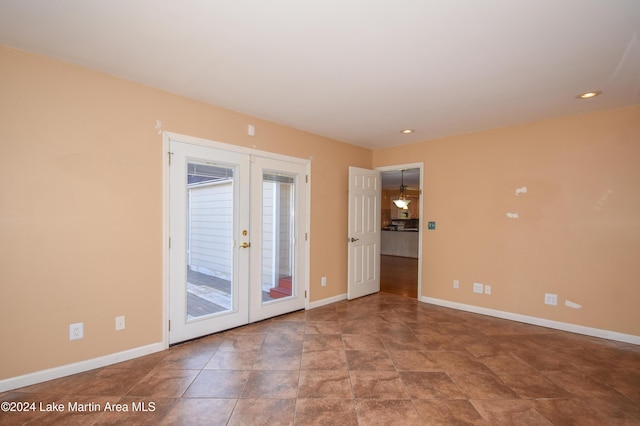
209, 240
277, 236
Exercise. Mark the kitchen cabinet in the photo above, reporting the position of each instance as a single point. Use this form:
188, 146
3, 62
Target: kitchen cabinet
399, 243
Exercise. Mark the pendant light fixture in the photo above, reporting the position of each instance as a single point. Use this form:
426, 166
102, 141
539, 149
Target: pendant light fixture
402, 202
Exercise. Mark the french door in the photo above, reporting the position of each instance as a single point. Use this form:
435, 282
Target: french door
237, 225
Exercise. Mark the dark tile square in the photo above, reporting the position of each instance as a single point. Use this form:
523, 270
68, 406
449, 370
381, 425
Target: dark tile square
324, 360
320, 412
272, 384
387, 412
218, 384
263, 412
369, 360
325, 384
377, 385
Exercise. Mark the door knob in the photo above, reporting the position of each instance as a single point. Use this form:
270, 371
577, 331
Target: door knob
353, 240
245, 245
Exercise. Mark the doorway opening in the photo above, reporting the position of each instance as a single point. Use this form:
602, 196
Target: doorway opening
400, 248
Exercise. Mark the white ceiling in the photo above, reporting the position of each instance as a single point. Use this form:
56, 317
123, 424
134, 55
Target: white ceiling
354, 70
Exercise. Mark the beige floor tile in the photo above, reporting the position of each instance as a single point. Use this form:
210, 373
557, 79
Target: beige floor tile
387, 412
324, 360
448, 412
272, 384
263, 412
325, 384
200, 411
377, 385
320, 412
379, 359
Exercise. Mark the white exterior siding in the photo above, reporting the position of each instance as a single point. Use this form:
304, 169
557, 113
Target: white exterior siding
285, 231
268, 259
276, 234
210, 228
211, 223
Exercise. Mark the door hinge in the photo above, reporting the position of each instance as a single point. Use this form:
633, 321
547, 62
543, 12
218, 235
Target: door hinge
169, 325
305, 294
169, 242
306, 236
306, 178
169, 154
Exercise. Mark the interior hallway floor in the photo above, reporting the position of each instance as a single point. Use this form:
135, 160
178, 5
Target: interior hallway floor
378, 360
399, 275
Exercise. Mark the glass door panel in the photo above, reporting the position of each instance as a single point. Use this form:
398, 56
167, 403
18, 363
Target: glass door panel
209, 236
278, 216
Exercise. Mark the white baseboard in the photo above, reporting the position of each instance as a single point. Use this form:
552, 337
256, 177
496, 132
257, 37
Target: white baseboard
90, 364
573, 328
78, 367
327, 301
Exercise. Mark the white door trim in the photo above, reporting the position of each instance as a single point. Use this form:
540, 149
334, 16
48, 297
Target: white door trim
230, 147
169, 136
421, 209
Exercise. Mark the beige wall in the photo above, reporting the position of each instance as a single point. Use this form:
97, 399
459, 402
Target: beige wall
81, 206
81, 210
578, 231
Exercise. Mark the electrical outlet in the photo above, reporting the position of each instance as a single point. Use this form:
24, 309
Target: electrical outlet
478, 288
456, 284
76, 331
120, 324
487, 289
323, 282
551, 299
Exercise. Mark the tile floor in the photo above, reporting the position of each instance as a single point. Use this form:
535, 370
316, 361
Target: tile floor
379, 360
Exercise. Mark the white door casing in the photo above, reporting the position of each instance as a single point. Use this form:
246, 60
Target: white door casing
244, 239
364, 232
421, 210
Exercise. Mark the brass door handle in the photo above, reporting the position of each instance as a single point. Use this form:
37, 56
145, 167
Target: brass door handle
245, 245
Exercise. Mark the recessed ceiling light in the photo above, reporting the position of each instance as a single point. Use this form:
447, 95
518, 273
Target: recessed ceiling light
407, 131
589, 95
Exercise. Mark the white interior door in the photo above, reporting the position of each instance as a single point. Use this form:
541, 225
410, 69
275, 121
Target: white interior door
364, 232
237, 226
279, 247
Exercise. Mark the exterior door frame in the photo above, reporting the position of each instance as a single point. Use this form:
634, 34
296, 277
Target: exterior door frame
421, 228
168, 136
